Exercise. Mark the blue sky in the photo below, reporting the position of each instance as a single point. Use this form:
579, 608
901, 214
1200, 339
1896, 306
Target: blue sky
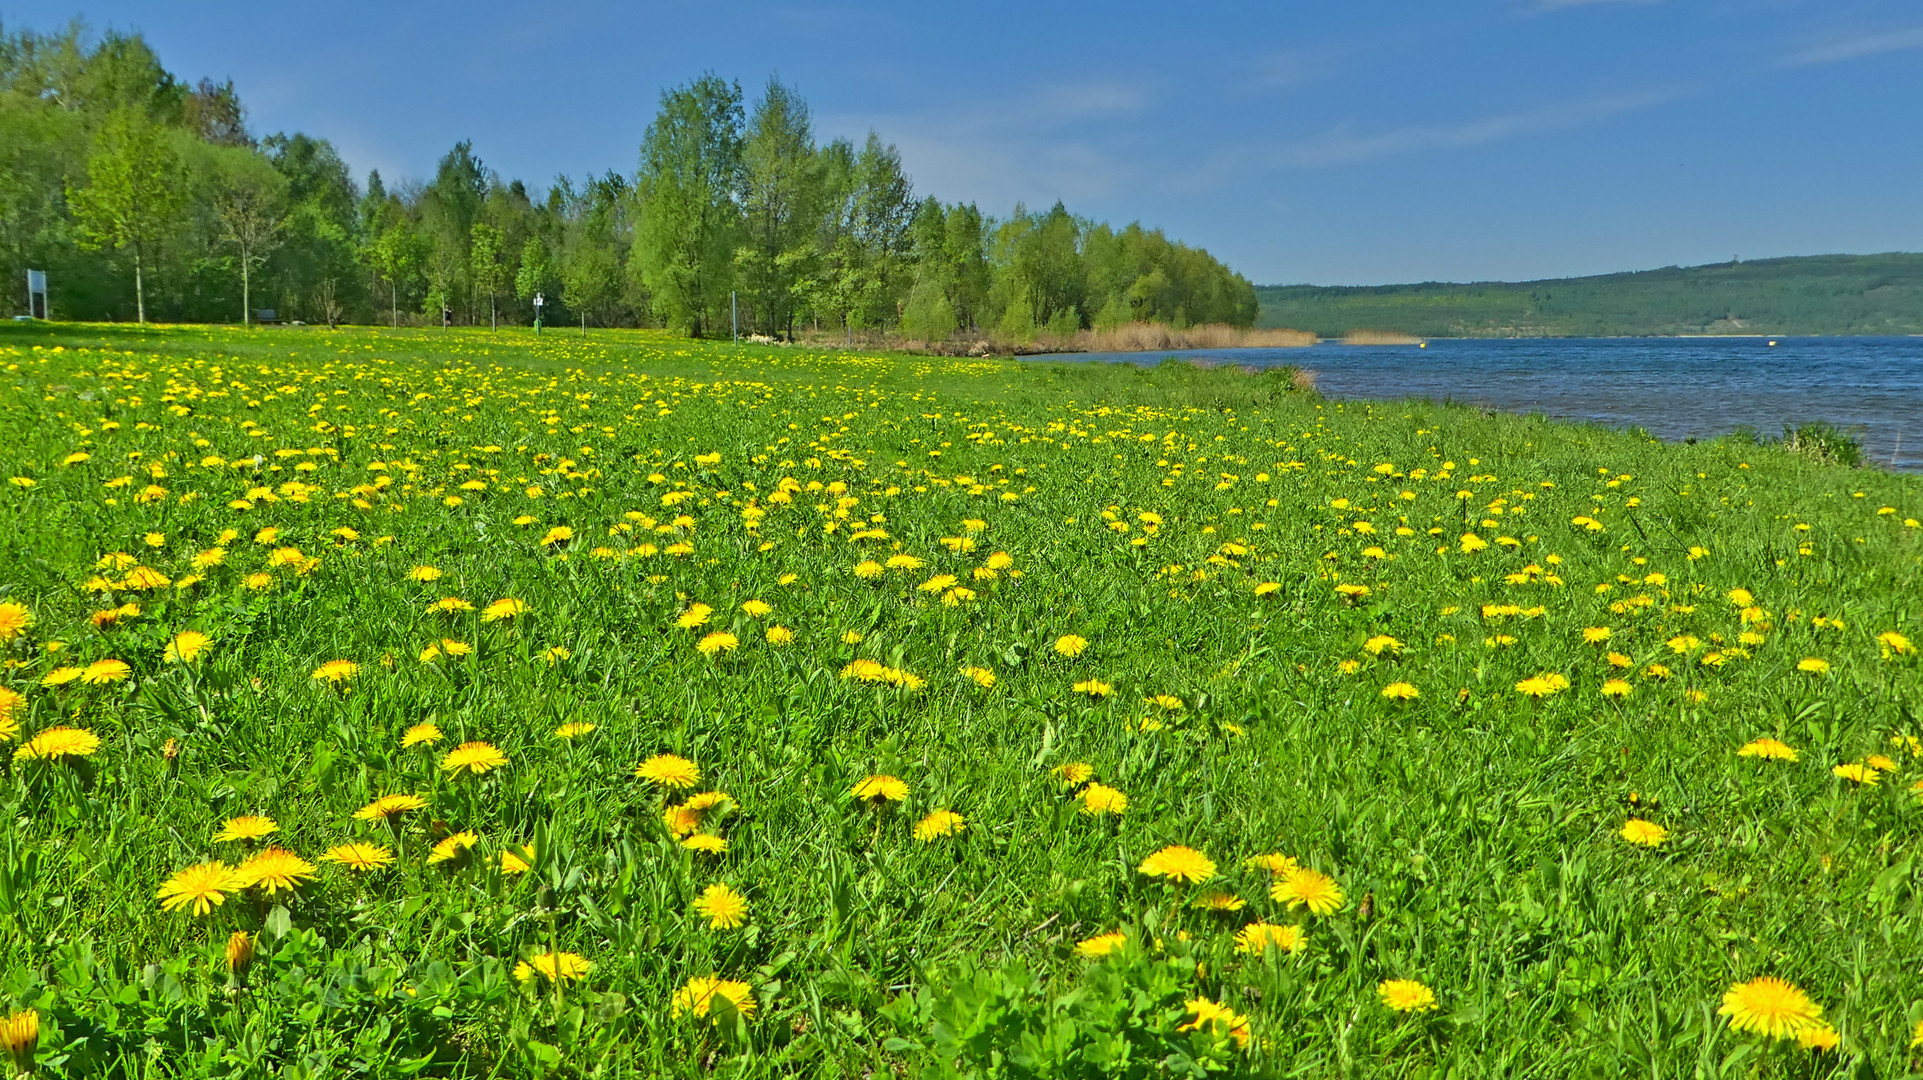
1356, 142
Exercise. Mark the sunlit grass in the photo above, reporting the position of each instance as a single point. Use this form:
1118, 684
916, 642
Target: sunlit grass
732, 694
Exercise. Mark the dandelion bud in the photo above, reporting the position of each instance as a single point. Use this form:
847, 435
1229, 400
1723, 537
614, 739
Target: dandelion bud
240, 952
170, 750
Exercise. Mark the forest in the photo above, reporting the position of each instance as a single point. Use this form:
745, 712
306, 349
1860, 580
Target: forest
145, 197
1817, 294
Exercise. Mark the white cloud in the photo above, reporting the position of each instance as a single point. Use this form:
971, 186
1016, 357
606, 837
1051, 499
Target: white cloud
1855, 48
1342, 147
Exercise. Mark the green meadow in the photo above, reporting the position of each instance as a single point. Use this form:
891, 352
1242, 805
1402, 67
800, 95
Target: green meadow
421, 703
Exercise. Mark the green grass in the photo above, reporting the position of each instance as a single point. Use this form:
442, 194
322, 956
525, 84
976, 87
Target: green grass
1474, 831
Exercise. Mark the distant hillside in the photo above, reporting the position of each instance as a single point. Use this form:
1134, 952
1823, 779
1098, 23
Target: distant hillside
1815, 294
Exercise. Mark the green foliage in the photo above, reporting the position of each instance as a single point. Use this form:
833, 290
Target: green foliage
687, 197
1820, 294
1126, 1015
929, 314
1825, 443
814, 237
132, 193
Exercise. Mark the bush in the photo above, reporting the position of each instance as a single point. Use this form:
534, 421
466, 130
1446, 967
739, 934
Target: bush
1825, 443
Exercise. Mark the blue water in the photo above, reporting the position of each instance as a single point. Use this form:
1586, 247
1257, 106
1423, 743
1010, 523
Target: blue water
1675, 388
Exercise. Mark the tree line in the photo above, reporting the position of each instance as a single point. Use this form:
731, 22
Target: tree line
148, 198
1811, 294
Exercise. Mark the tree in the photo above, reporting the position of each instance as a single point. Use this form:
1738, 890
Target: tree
690, 181
532, 277
396, 255
780, 204
133, 193
251, 207
485, 269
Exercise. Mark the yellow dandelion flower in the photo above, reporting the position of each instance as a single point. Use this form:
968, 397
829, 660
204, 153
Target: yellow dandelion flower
573, 730
1543, 685
1213, 1015
474, 757
1645, 833
1274, 863
1070, 645
101, 672
880, 788
452, 848
357, 856
1073, 773
246, 827
420, 735
203, 887
1257, 938
1217, 900
1770, 1007
1102, 944
61, 676
1303, 887
15, 618
1401, 691
698, 995
1813, 665
555, 967
705, 843
515, 862
724, 908
696, 615
718, 642
1179, 863
389, 805
507, 608
272, 870
336, 671
669, 771
939, 824
1822, 1038
1857, 772
1616, 688
186, 647
56, 743
1406, 995
1100, 799
424, 574
1382, 643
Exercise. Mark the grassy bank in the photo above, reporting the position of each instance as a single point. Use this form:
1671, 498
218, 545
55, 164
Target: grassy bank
1093, 719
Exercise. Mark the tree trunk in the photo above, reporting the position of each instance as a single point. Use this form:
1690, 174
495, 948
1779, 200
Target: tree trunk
394, 297
246, 294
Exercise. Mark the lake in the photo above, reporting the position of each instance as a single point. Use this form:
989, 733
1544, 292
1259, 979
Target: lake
1675, 388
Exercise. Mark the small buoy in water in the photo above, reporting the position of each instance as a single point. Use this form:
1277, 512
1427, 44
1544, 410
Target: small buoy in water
1424, 344
1772, 344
